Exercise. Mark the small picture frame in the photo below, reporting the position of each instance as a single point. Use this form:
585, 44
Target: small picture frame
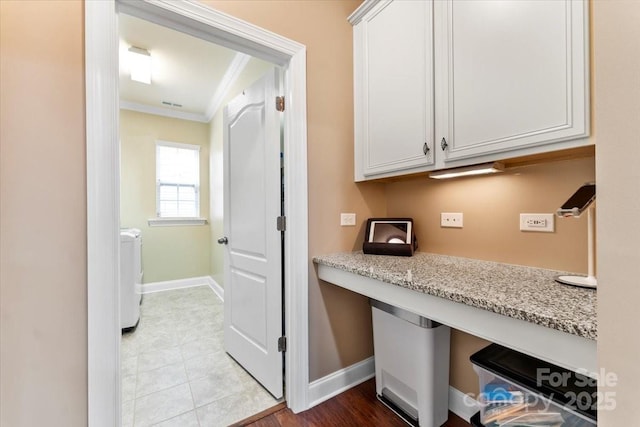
390, 236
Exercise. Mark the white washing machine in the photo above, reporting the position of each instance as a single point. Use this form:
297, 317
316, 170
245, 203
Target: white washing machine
130, 278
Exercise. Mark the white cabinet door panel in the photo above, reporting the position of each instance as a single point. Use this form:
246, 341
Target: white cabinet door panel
394, 79
517, 75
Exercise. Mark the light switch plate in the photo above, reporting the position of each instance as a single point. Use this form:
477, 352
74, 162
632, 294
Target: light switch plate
348, 219
537, 222
451, 219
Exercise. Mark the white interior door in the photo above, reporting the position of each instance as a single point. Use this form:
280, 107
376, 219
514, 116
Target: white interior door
253, 270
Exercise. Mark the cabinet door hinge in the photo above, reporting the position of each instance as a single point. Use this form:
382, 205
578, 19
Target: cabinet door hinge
280, 103
281, 223
282, 344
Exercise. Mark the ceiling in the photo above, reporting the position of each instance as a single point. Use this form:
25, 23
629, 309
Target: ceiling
193, 75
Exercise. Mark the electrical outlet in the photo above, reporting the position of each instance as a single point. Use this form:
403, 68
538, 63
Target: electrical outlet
348, 219
537, 222
451, 219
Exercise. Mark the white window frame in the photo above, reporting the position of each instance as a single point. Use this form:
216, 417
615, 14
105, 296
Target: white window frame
175, 221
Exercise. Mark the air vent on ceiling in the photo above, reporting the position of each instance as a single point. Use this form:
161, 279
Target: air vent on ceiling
172, 104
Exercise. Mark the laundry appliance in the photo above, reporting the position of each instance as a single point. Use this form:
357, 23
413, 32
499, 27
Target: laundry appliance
130, 278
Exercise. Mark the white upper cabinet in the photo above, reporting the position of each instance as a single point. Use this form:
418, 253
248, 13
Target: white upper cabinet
393, 68
467, 81
516, 77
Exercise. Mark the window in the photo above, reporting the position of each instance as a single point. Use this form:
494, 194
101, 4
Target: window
177, 180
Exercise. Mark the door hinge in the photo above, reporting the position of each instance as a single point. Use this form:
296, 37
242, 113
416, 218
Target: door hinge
280, 103
282, 344
281, 223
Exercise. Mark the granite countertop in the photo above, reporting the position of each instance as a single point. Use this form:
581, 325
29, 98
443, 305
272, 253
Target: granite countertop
524, 293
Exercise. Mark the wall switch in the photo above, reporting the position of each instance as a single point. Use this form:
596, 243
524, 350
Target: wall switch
537, 222
451, 219
348, 219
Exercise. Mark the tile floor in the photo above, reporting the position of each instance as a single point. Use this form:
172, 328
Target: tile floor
175, 371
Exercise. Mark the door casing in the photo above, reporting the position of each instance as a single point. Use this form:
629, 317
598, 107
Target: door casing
103, 185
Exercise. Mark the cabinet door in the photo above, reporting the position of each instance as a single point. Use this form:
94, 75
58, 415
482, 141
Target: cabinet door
393, 70
516, 77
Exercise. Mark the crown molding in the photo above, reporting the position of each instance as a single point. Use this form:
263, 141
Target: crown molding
235, 69
159, 111
362, 10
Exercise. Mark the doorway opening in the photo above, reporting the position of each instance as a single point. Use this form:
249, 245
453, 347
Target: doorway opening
103, 185
171, 194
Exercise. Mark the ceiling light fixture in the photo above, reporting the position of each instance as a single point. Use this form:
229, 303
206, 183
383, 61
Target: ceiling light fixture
140, 64
481, 169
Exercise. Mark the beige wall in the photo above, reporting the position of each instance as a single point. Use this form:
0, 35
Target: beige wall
617, 108
491, 206
43, 253
168, 253
254, 69
340, 321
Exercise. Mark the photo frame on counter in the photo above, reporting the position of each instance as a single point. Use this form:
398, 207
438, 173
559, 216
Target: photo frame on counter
390, 236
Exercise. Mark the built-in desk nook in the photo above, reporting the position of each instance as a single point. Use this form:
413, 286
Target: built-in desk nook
522, 308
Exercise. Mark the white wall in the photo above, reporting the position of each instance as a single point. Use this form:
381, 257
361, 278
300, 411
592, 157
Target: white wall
617, 113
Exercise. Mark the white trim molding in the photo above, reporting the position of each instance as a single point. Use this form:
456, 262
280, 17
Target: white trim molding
461, 404
362, 10
296, 238
169, 285
340, 381
216, 288
182, 145
320, 390
170, 222
237, 66
164, 112
103, 214
101, 50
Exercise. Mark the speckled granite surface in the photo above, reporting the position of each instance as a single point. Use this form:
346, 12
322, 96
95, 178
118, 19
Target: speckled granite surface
520, 292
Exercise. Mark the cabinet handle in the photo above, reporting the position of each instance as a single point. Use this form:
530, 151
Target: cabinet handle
425, 148
444, 144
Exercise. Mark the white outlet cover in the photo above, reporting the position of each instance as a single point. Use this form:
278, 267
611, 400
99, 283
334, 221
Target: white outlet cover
537, 222
348, 219
451, 219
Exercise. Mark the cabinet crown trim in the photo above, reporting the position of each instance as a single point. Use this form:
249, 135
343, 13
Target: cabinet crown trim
362, 10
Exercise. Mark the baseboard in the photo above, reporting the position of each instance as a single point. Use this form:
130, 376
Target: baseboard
168, 285
216, 288
333, 384
218, 278
462, 404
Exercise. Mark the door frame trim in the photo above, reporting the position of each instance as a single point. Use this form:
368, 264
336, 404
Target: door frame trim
103, 185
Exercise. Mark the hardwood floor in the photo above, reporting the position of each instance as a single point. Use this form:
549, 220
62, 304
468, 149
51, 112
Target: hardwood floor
356, 407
